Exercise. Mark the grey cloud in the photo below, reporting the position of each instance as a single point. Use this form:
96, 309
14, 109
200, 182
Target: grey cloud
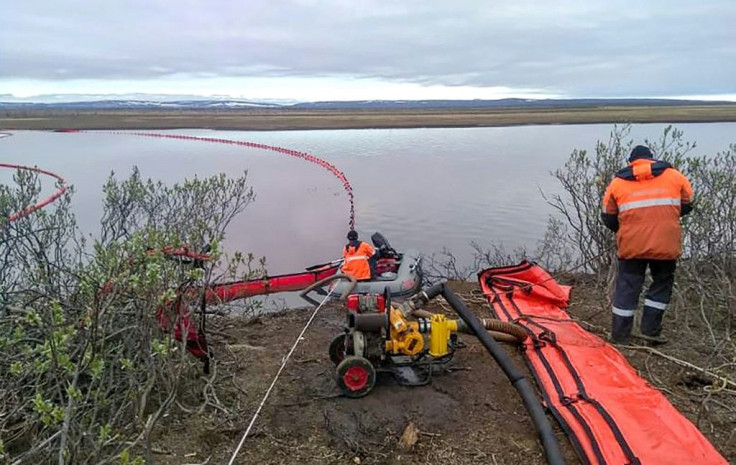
571, 47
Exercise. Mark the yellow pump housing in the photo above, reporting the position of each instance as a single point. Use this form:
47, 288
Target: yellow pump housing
439, 336
405, 336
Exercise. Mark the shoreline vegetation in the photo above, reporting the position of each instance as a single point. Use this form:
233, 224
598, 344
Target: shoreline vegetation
286, 119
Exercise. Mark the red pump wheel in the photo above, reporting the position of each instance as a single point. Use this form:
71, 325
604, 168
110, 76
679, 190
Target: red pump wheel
355, 376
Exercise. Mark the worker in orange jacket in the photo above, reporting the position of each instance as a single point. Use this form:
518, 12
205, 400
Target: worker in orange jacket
357, 256
643, 205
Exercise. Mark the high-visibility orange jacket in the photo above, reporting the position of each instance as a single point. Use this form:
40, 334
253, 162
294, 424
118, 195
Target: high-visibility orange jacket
356, 258
643, 204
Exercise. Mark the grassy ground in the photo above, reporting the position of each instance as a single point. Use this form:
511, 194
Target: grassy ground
466, 415
354, 119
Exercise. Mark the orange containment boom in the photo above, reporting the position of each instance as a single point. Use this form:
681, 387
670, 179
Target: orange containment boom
611, 415
60, 189
228, 292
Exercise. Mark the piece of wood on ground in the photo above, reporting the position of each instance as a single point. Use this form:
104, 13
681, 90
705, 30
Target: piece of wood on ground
409, 438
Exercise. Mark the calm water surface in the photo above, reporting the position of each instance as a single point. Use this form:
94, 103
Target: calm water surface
423, 188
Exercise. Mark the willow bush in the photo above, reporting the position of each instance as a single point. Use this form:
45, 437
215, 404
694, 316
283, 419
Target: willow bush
86, 371
576, 239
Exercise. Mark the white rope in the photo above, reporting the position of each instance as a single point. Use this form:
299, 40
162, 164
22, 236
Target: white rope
273, 383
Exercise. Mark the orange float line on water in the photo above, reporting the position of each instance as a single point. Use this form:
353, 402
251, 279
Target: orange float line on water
272, 148
27, 211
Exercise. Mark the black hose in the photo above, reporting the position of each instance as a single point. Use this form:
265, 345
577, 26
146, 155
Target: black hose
434, 291
519, 381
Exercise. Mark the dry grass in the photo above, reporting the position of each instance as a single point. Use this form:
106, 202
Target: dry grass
357, 119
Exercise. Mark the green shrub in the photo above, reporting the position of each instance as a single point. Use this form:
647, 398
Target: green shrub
86, 371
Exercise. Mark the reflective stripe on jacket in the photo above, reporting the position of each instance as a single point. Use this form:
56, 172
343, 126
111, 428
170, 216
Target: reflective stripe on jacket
648, 196
356, 260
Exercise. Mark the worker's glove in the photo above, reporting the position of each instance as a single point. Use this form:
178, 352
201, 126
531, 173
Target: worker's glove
610, 220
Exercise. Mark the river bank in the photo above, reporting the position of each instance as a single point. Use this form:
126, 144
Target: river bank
466, 415
280, 120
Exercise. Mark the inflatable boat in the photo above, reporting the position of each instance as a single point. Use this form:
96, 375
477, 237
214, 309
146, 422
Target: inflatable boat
401, 277
395, 275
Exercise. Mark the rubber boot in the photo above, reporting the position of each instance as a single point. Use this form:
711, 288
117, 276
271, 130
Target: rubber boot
621, 328
651, 326
652, 340
651, 321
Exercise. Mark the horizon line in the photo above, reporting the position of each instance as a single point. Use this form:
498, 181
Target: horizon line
193, 97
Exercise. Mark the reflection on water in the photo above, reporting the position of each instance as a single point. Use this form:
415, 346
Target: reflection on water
423, 188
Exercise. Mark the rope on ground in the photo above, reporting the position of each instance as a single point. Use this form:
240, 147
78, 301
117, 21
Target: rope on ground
273, 383
726, 381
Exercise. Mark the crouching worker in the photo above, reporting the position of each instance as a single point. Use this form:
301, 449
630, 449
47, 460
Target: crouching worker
357, 258
643, 205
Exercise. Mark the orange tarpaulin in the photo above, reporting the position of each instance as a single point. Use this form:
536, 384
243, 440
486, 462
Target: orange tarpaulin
611, 415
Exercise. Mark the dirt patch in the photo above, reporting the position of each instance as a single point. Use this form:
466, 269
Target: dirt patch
468, 413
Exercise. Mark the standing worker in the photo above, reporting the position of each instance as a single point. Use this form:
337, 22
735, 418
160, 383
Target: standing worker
357, 257
643, 205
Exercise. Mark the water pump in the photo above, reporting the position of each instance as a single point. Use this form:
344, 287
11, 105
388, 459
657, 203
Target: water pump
398, 339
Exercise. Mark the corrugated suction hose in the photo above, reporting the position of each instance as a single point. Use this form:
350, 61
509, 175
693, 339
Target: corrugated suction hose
501, 331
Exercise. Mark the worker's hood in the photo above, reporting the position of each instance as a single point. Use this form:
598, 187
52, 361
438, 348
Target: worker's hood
642, 169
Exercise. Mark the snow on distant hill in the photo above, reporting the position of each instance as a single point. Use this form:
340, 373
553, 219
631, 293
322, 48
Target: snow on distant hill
138, 104
153, 98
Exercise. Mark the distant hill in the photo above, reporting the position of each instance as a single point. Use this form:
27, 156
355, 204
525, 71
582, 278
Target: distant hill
138, 105
502, 103
235, 104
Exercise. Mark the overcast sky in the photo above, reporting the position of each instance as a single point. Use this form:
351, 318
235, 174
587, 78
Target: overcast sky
370, 49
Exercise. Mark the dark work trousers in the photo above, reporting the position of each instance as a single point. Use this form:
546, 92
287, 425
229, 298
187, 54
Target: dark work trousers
629, 283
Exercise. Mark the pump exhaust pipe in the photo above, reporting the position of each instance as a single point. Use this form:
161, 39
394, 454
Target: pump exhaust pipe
368, 322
